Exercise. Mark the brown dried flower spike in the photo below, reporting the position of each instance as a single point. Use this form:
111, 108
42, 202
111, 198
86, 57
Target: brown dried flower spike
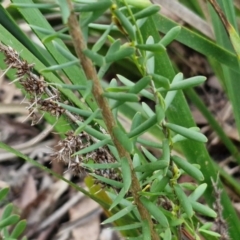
49, 105
34, 85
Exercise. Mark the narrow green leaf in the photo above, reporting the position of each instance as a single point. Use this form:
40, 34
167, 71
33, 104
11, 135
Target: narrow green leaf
188, 168
59, 67
80, 112
146, 230
123, 138
159, 113
123, 97
125, 23
141, 22
171, 94
184, 201
5, 233
118, 199
151, 178
7, 211
188, 186
70, 86
151, 47
113, 84
186, 132
206, 226
87, 121
170, 36
141, 4
155, 212
148, 11
18, 229
179, 138
150, 64
65, 12
127, 82
120, 54
162, 81
95, 57
114, 47
187, 83
120, 214
117, 89
166, 154
93, 6
204, 210
166, 150
90, 17
103, 69
66, 53
42, 30
153, 166
147, 110
149, 155
159, 185
9, 221
235, 39
55, 35
32, 5
88, 92
127, 227
198, 192
208, 232
126, 173
148, 143
140, 85
140, 236
108, 181
143, 127
136, 163
93, 132
100, 42
3, 193
167, 234
93, 147
136, 121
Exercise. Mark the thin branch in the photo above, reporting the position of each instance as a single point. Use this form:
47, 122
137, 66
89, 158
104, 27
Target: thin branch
91, 74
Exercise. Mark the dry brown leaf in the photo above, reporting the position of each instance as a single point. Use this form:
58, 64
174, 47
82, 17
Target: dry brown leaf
89, 230
29, 192
82, 208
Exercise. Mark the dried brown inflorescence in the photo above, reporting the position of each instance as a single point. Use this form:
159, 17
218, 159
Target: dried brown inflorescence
45, 98
74, 143
70, 145
101, 156
34, 85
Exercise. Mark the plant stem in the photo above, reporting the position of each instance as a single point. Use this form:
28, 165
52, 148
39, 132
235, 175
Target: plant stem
90, 71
